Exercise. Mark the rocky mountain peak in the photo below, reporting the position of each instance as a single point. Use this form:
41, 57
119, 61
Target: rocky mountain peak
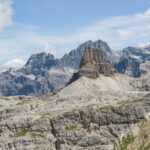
73, 58
93, 63
40, 60
131, 59
132, 52
102, 45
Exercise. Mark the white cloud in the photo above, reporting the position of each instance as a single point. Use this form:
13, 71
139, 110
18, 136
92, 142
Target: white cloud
145, 15
125, 33
148, 26
119, 32
6, 13
14, 63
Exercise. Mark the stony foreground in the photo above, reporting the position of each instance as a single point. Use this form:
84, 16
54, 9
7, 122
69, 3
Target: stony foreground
120, 122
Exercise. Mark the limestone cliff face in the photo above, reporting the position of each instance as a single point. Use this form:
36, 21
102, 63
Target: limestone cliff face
93, 63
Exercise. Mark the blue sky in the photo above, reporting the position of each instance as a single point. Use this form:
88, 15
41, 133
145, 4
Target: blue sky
57, 26
64, 14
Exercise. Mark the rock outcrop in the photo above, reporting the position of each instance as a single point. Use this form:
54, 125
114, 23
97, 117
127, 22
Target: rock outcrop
41, 60
130, 60
94, 63
73, 59
143, 83
130, 67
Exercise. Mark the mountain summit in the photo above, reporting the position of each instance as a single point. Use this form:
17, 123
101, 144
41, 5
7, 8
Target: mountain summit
43, 73
93, 63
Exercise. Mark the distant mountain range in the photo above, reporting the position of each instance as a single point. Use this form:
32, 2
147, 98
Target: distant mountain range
43, 73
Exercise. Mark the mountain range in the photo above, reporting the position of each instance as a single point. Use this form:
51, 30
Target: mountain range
43, 73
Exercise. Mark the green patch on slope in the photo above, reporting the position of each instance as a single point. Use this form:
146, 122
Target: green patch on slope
36, 135
22, 132
147, 147
71, 127
126, 141
25, 131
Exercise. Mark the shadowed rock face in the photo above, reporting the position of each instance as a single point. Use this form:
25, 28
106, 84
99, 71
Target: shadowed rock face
130, 67
41, 60
131, 59
94, 63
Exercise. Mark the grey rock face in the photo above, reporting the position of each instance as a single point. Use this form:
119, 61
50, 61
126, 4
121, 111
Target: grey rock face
12, 84
43, 73
37, 77
131, 59
130, 67
143, 83
42, 60
73, 59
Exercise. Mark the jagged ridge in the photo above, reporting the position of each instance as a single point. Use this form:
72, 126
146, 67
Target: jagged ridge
43, 73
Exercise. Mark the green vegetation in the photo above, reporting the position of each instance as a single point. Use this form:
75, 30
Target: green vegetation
145, 136
23, 132
147, 147
71, 127
37, 135
126, 141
